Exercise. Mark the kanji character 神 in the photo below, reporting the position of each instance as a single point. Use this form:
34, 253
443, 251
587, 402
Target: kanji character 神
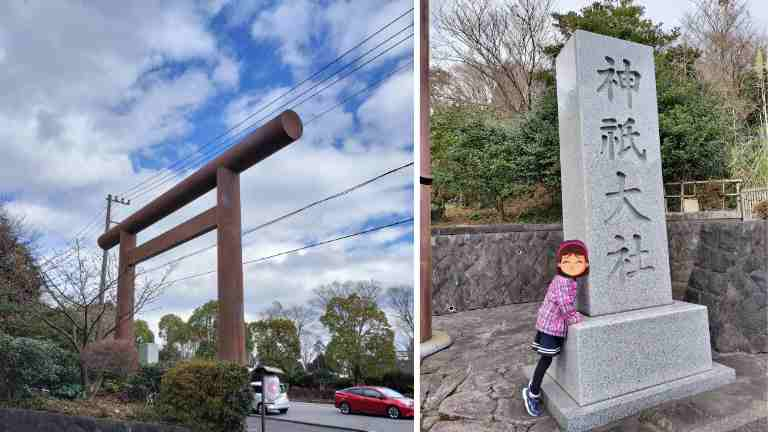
627, 79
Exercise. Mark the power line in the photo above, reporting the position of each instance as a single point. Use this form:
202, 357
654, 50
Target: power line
90, 226
369, 87
309, 246
224, 144
283, 217
317, 73
366, 89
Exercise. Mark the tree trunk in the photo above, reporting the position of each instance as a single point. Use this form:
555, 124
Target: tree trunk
500, 208
84, 381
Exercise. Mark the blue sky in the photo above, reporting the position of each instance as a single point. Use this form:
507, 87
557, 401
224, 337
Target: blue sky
110, 94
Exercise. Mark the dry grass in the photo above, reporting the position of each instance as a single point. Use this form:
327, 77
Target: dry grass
102, 406
539, 207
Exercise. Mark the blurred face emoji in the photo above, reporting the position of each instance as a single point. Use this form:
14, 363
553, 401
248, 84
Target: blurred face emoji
573, 265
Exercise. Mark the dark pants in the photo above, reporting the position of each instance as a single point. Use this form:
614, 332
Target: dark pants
538, 375
548, 346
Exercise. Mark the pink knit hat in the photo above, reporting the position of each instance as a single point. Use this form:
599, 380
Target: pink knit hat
568, 243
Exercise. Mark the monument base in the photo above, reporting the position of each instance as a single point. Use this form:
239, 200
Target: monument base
575, 418
607, 356
439, 341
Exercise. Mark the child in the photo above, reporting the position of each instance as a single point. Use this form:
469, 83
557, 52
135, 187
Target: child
556, 313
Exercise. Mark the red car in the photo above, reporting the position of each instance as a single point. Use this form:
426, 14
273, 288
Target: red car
374, 400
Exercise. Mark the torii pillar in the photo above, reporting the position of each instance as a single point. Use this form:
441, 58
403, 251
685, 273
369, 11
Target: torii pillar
222, 173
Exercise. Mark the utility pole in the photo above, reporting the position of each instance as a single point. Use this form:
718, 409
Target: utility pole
104, 256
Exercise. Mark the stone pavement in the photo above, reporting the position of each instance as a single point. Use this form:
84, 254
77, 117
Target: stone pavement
475, 384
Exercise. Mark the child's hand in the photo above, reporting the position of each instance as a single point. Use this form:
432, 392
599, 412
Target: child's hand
577, 318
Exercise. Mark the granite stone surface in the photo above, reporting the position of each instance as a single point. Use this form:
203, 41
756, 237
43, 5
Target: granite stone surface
572, 417
608, 356
610, 161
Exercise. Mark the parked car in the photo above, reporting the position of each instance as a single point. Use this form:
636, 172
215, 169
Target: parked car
374, 400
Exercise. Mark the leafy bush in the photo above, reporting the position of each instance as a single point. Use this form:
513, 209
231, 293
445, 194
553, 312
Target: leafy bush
761, 209
206, 395
67, 391
26, 364
144, 383
396, 380
342, 383
116, 357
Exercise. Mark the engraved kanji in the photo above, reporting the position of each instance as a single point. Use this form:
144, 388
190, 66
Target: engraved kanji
634, 261
626, 79
621, 135
623, 200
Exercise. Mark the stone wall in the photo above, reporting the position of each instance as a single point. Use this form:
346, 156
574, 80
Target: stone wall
16, 420
721, 264
730, 277
477, 267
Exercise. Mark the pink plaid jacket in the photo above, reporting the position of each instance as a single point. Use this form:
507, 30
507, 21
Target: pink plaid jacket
558, 310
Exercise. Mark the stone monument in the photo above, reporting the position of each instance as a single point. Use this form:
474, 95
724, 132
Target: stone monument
637, 347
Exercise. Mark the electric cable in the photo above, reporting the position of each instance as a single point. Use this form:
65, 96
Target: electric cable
227, 143
309, 246
283, 217
321, 70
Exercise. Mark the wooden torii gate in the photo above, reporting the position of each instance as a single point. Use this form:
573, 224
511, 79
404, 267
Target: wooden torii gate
222, 173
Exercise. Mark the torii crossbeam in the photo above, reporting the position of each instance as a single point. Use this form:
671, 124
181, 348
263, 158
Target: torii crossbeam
222, 173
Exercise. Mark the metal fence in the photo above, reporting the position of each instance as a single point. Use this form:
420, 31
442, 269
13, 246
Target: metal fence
684, 197
734, 195
750, 197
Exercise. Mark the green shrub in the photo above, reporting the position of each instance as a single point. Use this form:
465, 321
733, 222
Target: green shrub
67, 391
143, 383
26, 364
342, 383
206, 395
396, 380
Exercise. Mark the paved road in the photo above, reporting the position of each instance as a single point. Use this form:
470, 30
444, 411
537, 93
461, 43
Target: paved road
254, 425
327, 414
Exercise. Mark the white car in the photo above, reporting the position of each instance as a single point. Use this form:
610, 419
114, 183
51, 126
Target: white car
280, 405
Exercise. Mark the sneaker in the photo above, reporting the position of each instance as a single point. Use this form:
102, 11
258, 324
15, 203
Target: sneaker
532, 403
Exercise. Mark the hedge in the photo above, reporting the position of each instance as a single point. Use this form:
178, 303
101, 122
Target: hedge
206, 395
27, 364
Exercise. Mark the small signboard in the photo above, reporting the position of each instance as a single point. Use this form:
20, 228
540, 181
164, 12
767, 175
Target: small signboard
271, 388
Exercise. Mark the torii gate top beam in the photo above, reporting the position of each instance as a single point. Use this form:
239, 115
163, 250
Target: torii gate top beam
261, 143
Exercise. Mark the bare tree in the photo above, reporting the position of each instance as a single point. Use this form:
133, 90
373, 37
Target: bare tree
308, 341
70, 300
369, 290
501, 43
303, 317
400, 300
460, 85
725, 33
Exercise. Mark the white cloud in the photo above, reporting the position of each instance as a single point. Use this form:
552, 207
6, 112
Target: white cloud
77, 108
227, 72
292, 24
179, 33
